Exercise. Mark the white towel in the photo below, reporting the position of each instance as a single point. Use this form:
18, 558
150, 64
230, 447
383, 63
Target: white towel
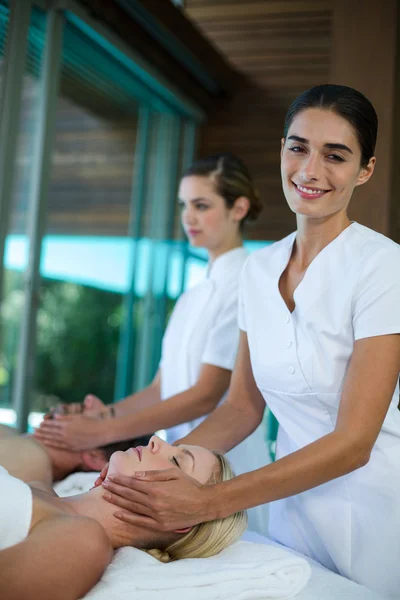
15, 509
244, 571
77, 483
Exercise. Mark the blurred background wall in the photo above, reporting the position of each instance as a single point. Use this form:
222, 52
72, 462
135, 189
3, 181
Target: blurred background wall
103, 103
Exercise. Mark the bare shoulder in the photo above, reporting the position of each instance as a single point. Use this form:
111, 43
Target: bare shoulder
64, 553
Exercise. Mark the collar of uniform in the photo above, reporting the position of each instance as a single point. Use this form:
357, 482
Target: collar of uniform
224, 263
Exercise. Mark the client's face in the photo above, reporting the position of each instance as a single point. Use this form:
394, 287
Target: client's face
197, 462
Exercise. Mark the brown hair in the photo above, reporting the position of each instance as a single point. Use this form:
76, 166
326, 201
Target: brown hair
232, 181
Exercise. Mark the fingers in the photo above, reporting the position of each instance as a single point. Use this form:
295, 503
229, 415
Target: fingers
102, 476
51, 425
51, 436
53, 443
131, 492
141, 476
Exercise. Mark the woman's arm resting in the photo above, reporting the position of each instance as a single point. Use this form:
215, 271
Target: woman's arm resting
367, 392
193, 403
80, 432
76, 433
61, 558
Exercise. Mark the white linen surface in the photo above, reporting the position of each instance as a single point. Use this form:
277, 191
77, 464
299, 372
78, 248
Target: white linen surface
323, 584
244, 571
77, 483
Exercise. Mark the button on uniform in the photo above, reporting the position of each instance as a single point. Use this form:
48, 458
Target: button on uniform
291, 370
289, 345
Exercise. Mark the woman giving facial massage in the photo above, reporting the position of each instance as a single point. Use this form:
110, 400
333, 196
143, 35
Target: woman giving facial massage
49, 543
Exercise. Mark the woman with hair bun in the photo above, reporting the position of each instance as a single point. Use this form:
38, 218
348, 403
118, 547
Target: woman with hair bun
217, 197
320, 322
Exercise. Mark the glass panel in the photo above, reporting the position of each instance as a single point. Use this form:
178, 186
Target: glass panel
85, 255
4, 18
16, 250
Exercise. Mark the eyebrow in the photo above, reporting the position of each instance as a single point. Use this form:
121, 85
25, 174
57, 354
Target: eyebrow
194, 200
188, 453
331, 146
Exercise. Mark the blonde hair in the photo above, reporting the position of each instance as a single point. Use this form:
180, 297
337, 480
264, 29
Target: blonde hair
211, 537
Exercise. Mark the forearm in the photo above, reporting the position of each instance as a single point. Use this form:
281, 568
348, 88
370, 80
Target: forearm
225, 428
326, 459
190, 404
149, 396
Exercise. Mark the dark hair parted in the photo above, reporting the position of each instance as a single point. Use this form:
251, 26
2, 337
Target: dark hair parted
348, 104
232, 180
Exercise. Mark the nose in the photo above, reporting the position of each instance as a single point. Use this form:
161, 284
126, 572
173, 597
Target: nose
156, 444
310, 170
188, 216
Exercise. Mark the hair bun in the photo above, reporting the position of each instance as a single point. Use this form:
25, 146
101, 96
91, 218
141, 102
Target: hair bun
256, 205
161, 555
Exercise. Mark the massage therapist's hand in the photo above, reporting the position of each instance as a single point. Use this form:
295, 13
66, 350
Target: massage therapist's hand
72, 432
91, 406
166, 500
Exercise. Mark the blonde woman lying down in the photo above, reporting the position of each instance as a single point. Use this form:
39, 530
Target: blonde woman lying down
61, 546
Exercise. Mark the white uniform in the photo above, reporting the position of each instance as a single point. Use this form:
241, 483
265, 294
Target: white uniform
203, 329
350, 291
15, 510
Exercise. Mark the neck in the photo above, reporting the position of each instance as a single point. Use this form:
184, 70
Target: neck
92, 504
236, 241
314, 234
63, 462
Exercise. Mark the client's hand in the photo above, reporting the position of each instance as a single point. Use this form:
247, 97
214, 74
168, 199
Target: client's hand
72, 432
166, 500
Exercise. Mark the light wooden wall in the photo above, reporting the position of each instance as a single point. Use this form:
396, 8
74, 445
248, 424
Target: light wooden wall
282, 47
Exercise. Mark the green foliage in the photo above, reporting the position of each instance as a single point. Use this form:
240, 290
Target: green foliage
77, 342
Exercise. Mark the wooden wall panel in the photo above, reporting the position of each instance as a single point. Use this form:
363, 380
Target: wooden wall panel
280, 48
364, 57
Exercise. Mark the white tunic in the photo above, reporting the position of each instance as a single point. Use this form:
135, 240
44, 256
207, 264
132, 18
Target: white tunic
203, 329
350, 291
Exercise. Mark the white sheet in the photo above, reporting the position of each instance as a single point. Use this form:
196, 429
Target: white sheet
323, 585
244, 571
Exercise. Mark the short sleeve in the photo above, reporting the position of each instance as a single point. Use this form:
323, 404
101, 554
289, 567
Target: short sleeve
376, 303
241, 310
223, 339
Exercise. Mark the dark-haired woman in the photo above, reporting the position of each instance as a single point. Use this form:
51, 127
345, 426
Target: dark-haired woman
199, 349
320, 344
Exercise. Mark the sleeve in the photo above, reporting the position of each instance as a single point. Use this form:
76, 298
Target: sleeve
241, 309
223, 339
376, 303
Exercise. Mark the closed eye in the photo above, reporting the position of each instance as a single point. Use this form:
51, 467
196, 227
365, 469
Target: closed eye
176, 462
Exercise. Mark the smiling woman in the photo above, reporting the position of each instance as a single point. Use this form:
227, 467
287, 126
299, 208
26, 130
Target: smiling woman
319, 313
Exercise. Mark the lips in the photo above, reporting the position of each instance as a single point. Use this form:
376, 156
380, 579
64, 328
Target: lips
308, 192
139, 452
193, 232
